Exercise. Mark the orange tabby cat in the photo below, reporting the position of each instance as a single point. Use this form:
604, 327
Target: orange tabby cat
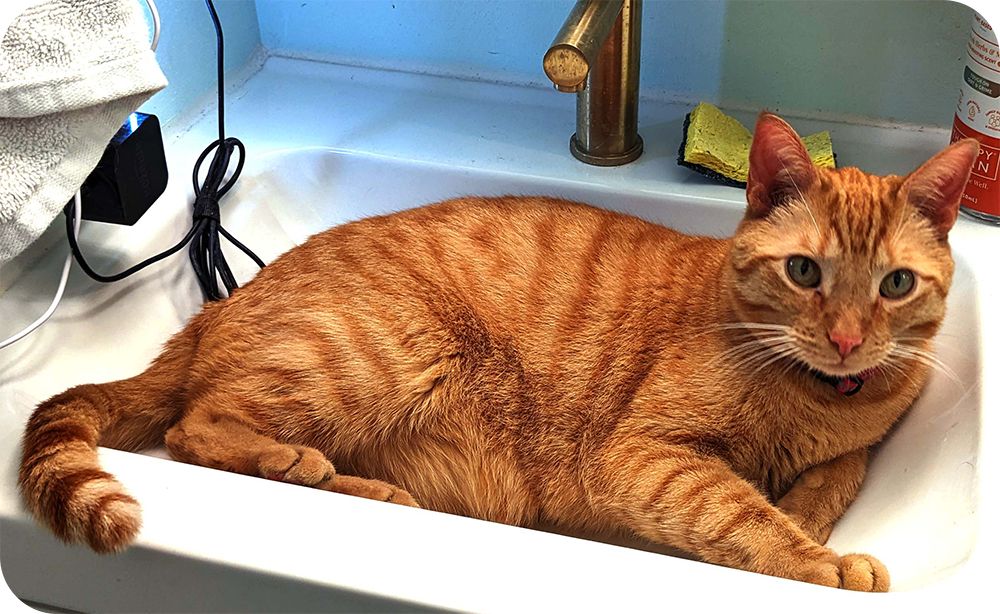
529, 360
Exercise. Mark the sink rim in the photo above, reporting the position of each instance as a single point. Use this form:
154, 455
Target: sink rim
116, 461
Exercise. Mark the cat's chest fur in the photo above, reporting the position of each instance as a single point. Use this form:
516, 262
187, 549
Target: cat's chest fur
800, 427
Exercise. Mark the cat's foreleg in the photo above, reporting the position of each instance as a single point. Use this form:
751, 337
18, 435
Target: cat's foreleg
680, 497
821, 494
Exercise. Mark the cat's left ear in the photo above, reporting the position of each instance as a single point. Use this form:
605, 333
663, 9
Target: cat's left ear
780, 166
935, 189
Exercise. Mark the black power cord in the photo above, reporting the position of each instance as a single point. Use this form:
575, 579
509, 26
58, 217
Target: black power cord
206, 250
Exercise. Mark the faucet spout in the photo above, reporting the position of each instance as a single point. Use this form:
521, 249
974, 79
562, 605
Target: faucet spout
596, 55
578, 42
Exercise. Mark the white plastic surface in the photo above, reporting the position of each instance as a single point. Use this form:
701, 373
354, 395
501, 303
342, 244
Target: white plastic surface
918, 507
328, 148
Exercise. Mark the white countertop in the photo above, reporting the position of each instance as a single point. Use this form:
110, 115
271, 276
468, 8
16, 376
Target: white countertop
273, 546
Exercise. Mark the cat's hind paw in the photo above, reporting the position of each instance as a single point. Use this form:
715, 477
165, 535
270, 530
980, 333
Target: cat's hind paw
369, 489
295, 464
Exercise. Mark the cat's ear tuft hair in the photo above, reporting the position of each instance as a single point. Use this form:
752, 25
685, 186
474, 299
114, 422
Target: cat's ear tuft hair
935, 189
780, 166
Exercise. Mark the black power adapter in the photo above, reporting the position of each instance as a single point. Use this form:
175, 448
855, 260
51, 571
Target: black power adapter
131, 175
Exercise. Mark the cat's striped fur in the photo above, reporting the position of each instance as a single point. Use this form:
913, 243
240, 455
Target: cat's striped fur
531, 360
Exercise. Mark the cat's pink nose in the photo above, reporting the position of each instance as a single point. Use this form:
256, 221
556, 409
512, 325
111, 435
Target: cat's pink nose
845, 342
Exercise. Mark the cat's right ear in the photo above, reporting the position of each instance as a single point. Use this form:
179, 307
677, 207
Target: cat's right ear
780, 166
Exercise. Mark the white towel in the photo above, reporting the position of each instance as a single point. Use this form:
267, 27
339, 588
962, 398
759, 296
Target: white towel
71, 72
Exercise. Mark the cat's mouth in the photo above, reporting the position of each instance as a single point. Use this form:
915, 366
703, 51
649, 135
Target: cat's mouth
842, 371
848, 385
863, 374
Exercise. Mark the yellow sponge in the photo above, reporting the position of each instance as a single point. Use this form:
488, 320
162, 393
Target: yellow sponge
718, 146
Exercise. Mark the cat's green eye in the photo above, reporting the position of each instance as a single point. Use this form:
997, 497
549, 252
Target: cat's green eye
897, 284
803, 271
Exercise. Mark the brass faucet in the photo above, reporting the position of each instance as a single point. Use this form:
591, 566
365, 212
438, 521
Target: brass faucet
596, 55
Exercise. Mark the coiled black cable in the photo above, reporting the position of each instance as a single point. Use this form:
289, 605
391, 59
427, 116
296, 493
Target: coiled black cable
205, 252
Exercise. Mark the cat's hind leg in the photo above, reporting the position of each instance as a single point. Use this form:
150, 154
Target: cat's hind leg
221, 441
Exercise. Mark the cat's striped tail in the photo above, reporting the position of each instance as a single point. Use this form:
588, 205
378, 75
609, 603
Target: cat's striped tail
61, 479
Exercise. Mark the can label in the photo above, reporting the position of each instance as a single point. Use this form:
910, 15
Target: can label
978, 116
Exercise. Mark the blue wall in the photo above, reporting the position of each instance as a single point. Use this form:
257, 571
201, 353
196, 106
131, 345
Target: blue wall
896, 60
186, 52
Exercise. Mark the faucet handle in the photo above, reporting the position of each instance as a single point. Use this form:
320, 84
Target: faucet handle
575, 47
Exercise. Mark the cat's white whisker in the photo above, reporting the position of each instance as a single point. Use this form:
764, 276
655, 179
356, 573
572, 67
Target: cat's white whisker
885, 377
783, 352
746, 346
744, 326
891, 363
756, 353
927, 359
754, 325
764, 354
928, 356
936, 341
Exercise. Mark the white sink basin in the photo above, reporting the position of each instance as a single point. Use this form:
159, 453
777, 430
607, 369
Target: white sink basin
917, 509
218, 541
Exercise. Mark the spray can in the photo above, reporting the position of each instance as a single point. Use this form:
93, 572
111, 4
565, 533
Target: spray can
978, 116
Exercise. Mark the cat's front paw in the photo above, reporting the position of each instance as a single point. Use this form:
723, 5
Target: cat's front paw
855, 572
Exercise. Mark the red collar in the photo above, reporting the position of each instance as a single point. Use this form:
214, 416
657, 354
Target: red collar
848, 385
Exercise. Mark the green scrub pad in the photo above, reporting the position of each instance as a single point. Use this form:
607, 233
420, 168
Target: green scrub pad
718, 146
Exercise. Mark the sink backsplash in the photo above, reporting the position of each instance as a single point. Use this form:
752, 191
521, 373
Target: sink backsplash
892, 61
186, 53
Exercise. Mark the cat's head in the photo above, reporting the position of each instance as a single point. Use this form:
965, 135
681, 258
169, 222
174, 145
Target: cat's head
843, 270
